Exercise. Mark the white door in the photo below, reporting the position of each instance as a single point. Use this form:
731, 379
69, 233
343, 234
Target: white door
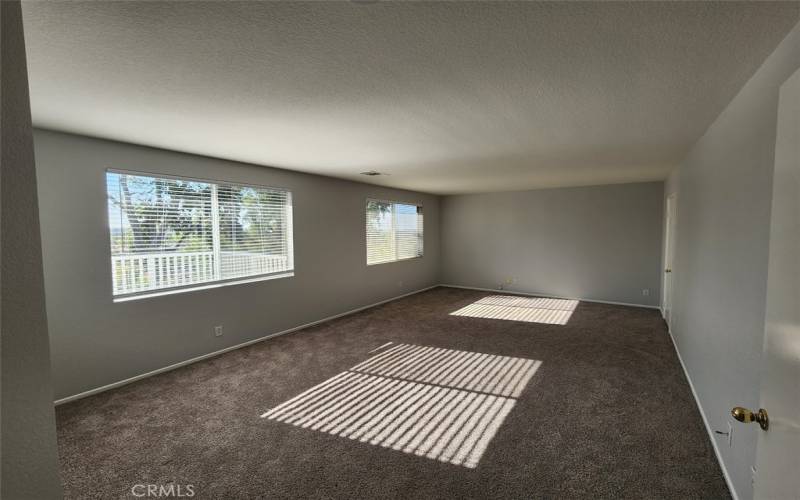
669, 256
778, 457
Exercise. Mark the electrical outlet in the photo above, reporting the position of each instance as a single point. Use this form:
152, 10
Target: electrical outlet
400, 283
646, 292
218, 331
730, 434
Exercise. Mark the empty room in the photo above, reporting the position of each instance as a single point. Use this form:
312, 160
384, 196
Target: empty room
384, 249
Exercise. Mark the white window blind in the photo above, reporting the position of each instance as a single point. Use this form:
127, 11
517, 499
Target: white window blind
172, 233
394, 231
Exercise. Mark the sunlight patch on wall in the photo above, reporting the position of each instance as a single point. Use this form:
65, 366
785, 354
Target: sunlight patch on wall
527, 309
442, 404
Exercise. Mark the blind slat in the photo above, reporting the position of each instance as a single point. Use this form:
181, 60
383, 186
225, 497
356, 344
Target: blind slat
394, 231
172, 232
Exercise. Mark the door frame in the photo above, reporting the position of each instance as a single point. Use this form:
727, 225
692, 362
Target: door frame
778, 449
668, 280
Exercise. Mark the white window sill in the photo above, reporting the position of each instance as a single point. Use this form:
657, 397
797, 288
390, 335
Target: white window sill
201, 286
395, 260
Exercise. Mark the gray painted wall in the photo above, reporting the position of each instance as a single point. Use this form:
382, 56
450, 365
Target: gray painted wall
724, 202
96, 342
595, 243
27, 421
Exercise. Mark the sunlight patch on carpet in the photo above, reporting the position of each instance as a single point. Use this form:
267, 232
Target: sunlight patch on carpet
527, 309
442, 404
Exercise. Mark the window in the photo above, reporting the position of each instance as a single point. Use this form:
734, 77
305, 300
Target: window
170, 233
394, 231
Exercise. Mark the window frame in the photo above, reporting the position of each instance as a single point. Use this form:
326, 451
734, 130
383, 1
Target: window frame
419, 205
206, 285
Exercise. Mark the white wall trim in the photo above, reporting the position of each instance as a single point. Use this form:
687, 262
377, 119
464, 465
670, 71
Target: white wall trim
130, 380
709, 430
171, 367
528, 294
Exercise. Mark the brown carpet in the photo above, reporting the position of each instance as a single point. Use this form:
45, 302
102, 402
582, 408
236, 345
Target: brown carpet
606, 413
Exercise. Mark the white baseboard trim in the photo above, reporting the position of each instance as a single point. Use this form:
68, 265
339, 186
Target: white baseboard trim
528, 294
171, 367
174, 366
130, 380
709, 430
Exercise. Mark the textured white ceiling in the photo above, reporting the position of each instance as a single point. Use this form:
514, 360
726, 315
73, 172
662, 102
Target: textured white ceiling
445, 97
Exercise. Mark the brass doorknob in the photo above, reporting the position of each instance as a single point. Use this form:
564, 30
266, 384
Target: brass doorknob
747, 416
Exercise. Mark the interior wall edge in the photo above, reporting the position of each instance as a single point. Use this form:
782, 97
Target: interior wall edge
724, 192
29, 466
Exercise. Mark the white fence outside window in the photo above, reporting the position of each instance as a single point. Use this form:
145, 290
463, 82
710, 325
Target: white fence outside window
134, 273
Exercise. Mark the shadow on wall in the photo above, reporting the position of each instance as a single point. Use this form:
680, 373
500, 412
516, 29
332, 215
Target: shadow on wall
437, 403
